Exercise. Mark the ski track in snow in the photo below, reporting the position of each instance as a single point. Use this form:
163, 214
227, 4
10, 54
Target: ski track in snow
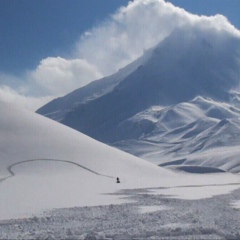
210, 218
12, 174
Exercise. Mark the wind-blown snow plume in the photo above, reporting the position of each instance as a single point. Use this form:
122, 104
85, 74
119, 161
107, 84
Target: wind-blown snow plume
136, 27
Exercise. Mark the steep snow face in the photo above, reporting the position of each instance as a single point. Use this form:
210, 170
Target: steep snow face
170, 76
200, 62
177, 91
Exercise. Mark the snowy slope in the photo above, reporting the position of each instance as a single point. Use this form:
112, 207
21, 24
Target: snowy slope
45, 164
30, 136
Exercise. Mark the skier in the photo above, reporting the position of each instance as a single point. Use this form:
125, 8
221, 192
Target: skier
118, 180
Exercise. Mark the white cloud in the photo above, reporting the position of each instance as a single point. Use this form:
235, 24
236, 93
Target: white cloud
59, 76
111, 45
53, 77
8, 94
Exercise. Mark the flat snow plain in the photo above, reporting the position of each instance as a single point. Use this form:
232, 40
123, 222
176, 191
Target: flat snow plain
144, 215
58, 183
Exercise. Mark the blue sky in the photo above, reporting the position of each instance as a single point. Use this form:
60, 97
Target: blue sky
33, 30
51, 47
228, 8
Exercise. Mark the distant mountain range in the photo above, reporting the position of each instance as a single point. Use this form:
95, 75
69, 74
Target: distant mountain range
175, 106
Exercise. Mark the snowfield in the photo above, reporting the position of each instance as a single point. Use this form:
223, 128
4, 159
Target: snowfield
147, 216
46, 164
58, 183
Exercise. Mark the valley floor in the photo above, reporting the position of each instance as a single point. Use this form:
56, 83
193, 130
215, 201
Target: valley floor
147, 215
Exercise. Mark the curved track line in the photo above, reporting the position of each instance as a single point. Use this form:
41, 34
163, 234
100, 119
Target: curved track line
11, 172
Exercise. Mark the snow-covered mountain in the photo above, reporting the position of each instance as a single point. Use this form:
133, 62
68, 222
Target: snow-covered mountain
201, 132
177, 103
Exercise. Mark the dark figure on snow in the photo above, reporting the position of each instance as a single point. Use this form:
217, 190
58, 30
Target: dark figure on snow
118, 180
